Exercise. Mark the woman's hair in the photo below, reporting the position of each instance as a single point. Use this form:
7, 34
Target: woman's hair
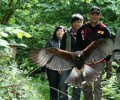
54, 34
76, 17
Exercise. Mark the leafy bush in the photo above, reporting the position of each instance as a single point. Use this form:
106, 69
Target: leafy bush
14, 84
13, 35
111, 89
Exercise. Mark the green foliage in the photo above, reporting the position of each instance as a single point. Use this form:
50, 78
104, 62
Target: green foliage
39, 18
14, 85
12, 34
111, 89
110, 12
4, 43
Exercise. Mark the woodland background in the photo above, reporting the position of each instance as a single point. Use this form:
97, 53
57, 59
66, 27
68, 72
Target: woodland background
28, 24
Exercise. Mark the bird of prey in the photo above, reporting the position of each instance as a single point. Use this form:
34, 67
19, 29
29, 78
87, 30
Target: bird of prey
79, 62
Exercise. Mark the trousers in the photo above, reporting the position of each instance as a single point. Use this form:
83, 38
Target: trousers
53, 78
87, 89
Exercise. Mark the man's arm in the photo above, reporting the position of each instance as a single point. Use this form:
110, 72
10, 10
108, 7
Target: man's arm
108, 59
79, 41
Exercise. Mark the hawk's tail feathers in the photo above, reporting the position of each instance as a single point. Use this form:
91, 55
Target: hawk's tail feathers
89, 74
74, 79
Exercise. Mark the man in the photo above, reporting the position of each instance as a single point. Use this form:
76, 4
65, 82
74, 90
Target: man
116, 48
116, 53
68, 44
86, 34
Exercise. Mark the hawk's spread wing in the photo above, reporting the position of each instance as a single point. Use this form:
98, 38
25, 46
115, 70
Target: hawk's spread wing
98, 50
40, 57
53, 58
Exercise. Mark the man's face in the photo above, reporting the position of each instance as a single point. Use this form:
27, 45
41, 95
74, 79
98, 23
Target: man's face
94, 17
77, 24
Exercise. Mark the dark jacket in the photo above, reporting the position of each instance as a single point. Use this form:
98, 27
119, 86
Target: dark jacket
53, 43
87, 34
68, 41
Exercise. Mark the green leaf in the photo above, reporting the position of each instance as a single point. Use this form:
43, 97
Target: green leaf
14, 99
19, 35
27, 35
1, 92
1, 98
12, 21
4, 43
6, 1
23, 45
14, 1
25, 87
4, 34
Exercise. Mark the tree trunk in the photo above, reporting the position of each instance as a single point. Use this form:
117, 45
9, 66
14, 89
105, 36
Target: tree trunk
14, 50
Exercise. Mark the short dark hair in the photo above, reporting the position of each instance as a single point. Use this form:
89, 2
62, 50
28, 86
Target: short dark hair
76, 17
95, 9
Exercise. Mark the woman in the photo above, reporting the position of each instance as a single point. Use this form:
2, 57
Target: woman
68, 43
54, 76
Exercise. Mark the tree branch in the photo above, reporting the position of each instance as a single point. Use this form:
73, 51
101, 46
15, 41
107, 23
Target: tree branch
10, 86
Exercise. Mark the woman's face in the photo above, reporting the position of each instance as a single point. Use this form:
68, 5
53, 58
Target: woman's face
60, 33
77, 24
